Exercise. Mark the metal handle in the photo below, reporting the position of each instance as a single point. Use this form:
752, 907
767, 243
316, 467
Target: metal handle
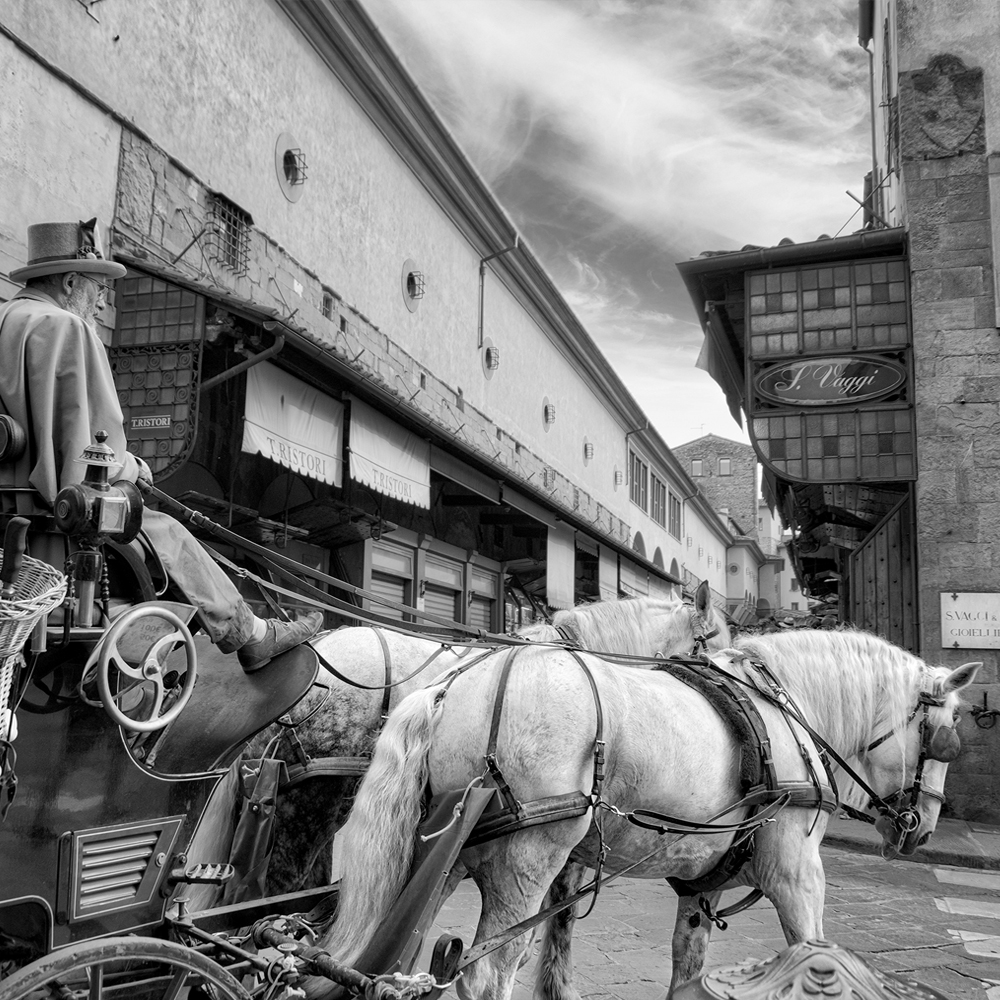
13, 549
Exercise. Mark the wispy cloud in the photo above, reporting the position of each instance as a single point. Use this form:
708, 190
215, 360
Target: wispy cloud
623, 135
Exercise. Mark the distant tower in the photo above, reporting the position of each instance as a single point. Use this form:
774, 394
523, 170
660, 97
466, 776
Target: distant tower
726, 473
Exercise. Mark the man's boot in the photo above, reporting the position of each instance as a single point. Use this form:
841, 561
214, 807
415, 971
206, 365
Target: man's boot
279, 638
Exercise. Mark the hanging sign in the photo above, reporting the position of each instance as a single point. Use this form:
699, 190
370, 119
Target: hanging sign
826, 381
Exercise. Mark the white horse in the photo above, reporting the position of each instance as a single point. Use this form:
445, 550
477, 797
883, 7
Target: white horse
668, 751
343, 721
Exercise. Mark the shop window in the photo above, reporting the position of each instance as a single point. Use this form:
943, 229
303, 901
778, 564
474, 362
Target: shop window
151, 311
481, 612
390, 588
841, 446
861, 305
442, 601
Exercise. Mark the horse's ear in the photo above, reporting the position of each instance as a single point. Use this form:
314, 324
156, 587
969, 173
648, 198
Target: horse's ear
703, 598
960, 677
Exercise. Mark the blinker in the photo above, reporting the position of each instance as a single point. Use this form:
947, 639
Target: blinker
943, 745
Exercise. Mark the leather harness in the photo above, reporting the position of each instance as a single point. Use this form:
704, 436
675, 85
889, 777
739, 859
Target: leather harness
761, 791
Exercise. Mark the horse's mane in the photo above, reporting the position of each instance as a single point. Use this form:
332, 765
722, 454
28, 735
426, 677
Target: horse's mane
852, 685
625, 626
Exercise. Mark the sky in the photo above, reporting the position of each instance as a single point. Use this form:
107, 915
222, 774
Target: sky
624, 136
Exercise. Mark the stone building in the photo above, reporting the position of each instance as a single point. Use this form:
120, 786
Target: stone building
725, 471
303, 236
867, 366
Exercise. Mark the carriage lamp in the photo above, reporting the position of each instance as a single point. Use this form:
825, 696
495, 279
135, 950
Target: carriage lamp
95, 510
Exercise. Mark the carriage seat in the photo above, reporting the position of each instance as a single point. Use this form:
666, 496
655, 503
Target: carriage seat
230, 708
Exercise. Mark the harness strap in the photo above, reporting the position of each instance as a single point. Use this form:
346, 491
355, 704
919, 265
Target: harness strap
325, 767
387, 660
388, 686
595, 791
491, 746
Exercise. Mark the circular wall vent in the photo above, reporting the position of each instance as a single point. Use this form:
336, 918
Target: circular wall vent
290, 166
412, 284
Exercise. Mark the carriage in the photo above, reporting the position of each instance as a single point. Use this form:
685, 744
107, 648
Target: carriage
121, 874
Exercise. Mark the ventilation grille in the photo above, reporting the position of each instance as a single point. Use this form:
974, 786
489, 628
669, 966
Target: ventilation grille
118, 868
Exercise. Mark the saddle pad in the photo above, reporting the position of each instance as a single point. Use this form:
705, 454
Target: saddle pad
719, 694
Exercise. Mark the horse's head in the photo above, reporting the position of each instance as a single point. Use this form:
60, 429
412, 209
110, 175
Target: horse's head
911, 783
708, 625
683, 629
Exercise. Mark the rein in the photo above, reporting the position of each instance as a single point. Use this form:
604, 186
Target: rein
904, 820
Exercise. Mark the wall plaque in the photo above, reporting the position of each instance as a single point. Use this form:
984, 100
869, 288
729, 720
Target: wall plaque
970, 621
826, 381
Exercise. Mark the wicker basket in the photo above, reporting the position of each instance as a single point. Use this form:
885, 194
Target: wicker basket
39, 589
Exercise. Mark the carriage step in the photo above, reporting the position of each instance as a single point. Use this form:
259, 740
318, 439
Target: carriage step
204, 874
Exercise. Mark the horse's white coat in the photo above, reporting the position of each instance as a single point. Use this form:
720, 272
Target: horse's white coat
667, 750
348, 719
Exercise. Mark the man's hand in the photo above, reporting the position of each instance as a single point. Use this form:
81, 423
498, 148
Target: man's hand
145, 473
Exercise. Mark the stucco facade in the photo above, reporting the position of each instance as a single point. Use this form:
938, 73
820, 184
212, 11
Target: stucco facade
381, 261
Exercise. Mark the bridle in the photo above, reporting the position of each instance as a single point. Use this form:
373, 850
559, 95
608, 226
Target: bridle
939, 743
700, 631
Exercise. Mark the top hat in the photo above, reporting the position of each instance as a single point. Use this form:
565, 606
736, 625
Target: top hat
61, 247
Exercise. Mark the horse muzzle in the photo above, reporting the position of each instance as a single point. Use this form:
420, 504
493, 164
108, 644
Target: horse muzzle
900, 833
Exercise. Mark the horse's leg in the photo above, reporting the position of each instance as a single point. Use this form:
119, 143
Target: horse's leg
692, 931
554, 976
788, 868
513, 875
798, 892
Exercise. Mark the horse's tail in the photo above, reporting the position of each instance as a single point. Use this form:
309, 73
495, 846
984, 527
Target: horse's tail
378, 844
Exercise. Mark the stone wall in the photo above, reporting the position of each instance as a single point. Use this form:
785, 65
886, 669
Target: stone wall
957, 383
738, 491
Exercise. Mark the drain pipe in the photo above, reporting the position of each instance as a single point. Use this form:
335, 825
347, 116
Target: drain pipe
482, 282
279, 343
866, 35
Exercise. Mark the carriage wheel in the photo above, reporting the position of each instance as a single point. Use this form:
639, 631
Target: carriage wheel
136, 968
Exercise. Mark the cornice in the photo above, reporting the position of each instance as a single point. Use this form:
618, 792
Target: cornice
356, 52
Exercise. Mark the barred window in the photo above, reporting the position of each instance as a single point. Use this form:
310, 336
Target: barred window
638, 474
230, 226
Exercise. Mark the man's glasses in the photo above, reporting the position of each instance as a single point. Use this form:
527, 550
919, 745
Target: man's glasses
106, 287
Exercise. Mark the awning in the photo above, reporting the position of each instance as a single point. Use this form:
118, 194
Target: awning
560, 566
293, 424
607, 574
634, 578
457, 471
388, 458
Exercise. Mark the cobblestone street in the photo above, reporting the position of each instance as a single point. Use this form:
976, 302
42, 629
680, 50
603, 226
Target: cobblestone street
938, 924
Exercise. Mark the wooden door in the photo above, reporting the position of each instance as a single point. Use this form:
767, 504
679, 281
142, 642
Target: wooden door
882, 581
